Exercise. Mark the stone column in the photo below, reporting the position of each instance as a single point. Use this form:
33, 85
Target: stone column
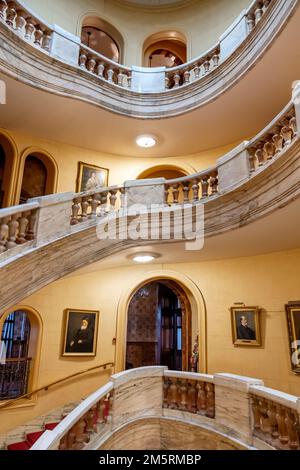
233, 407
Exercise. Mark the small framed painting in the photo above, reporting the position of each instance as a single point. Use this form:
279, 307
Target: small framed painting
245, 323
91, 177
293, 323
81, 330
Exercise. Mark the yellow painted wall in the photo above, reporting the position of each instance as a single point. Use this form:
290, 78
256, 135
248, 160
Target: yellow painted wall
202, 22
269, 281
120, 168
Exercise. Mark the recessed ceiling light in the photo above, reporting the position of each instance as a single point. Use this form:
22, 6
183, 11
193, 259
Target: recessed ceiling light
144, 257
146, 141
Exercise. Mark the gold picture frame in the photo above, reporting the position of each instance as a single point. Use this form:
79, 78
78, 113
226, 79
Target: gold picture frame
80, 333
245, 324
91, 177
293, 324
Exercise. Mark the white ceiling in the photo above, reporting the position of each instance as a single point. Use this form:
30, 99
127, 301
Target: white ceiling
237, 114
279, 231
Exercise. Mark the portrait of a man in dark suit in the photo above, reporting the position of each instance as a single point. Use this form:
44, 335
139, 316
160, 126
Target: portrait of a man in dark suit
244, 331
81, 331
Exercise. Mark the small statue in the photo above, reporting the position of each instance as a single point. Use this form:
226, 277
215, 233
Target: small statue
195, 356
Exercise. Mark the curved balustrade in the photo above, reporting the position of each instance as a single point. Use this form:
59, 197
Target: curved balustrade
238, 408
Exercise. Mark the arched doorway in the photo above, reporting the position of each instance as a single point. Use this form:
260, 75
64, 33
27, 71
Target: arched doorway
165, 49
159, 326
39, 177
7, 170
17, 351
103, 38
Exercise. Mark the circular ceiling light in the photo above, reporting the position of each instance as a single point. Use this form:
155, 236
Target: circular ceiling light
143, 258
146, 141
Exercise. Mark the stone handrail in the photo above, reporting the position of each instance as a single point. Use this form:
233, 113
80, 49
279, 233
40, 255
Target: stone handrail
228, 405
276, 419
51, 39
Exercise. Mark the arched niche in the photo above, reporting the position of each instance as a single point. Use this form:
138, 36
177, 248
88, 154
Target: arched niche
38, 175
19, 325
164, 171
188, 289
103, 38
8, 161
165, 49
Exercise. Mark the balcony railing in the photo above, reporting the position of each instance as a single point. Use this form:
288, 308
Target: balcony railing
14, 375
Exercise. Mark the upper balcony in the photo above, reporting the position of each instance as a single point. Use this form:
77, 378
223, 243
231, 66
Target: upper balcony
49, 58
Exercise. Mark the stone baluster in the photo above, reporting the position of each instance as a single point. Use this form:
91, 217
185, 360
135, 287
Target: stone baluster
67, 441
13, 226
278, 142
206, 65
216, 60
192, 397
83, 59
195, 189
210, 400
250, 22
167, 81
172, 394
186, 191
287, 134
260, 154
100, 69
110, 74
253, 161
91, 420
266, 3
272, 420
201, 398
213, 183
113, 199
84, 208
165, 392
183, 395
292, 424
11, 14
103, 206
269, 150
204, 186
129, 80
186, 76
100, 409
94, 206
29, 29
122, 197
264, 418
80, 435
176, 79
293, 125
4, 229
20, 22
255, 413
31, 226
23, 224
197, 71
120, 78
167, 193
258, 13
282, 427
46, 41
38, 36
75, 211
175, 193
91, 64
3, 7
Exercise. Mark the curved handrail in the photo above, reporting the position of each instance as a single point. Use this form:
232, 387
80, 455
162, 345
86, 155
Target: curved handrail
36, 31
9, 403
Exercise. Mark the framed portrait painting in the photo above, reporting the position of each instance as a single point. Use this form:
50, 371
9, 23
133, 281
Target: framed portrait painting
91, 177
80, 332
245, 323
293, 323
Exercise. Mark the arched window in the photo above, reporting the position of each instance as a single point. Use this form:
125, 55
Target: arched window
7, 165
39, 177
2, 169
15, 360
166, 49
168, 172
102, 37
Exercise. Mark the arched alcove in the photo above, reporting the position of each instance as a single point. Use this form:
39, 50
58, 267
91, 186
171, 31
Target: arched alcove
21, 332
163, 171
165, 49
38, 175
103, 38
191, 299
8, 158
